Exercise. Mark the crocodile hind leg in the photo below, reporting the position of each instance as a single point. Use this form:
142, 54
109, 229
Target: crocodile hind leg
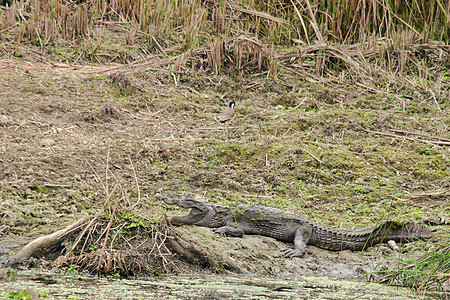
301, 239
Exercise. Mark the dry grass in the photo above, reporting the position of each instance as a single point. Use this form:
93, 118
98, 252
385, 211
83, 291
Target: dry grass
350, 39
116, 241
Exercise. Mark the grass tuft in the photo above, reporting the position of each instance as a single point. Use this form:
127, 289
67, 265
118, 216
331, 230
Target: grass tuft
429, 272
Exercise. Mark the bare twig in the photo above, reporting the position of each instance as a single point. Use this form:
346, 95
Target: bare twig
300, 104
312, 155
159, 46
108, 197
95, 173
106, 186
57, 185
114, 237
167, 140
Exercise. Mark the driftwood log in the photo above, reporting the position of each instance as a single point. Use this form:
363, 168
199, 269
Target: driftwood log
47, 245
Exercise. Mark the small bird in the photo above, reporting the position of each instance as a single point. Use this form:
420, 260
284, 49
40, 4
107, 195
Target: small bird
228, 113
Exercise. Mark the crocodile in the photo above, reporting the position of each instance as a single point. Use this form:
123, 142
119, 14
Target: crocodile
290, 228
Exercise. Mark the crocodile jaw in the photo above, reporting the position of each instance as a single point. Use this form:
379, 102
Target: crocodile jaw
193, 217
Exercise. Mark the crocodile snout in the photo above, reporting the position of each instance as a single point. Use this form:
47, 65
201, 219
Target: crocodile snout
165, 199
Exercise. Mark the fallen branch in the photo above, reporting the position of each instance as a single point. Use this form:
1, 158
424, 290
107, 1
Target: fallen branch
407, 138
420, 134
421, 196
431, 195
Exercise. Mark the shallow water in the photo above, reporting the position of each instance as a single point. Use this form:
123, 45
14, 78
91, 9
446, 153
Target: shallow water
40, 283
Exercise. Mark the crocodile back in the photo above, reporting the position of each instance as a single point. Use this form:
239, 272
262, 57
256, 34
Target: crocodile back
268, 221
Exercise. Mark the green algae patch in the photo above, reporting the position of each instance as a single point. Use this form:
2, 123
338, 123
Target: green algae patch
40, 284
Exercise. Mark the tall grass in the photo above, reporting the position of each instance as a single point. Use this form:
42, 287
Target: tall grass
352, 21
430, 272
44, 22
379, 31
281, 22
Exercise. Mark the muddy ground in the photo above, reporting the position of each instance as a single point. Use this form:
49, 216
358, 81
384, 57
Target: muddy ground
337, 154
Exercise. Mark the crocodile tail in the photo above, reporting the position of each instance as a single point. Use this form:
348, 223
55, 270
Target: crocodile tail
337, 240
334, 239
399, 232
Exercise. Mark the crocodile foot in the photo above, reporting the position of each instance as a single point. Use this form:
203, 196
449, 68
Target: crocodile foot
290, 253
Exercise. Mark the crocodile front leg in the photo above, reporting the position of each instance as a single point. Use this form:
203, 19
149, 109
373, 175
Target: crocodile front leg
230, 227
229, 231
301, 239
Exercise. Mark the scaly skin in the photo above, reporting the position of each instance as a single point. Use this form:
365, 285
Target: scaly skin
291, 228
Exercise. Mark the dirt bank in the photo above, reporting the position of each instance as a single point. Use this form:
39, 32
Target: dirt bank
69, 136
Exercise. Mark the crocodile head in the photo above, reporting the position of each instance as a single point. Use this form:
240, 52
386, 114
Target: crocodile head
201, 214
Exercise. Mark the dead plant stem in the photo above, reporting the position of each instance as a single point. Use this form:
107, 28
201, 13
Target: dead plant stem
106, 176
82, 234
116, 203
137, 182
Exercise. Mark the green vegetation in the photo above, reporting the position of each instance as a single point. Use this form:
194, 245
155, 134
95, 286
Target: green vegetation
23, 295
